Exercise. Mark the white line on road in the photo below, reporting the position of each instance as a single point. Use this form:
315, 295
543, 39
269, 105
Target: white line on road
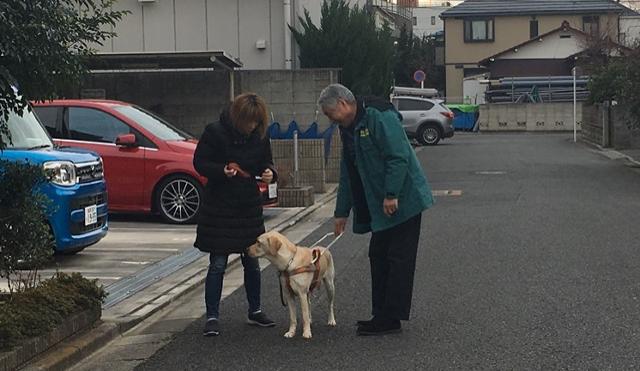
136, 263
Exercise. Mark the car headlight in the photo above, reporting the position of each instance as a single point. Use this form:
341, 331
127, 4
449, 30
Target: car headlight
62, 173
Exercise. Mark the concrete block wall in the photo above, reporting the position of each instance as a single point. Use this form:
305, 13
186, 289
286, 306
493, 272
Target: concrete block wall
592, 125
187, 99
311, 163
290, 94
529, 117
192, 99
620, 130
332, 166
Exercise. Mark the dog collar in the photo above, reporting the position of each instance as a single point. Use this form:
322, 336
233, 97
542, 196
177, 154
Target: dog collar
290, 261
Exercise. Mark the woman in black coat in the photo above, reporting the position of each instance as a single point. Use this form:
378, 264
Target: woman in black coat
231, 154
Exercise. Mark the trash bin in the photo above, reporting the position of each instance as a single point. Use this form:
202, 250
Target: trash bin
465, 116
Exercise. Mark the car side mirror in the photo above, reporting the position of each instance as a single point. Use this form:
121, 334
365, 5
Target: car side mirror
126, 140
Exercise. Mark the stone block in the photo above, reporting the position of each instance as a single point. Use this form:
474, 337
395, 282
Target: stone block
296, 197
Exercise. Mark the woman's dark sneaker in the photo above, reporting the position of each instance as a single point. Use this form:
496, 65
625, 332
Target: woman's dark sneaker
211, 328
260, 319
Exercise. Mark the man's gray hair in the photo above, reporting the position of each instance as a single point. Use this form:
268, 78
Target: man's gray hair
331, 94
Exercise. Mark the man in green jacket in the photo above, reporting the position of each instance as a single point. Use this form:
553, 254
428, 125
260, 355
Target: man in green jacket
382, 182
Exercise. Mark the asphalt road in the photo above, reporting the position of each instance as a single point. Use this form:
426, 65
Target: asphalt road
533, 265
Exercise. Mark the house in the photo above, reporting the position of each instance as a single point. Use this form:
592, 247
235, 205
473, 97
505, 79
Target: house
554, 53
478, 29
427, 21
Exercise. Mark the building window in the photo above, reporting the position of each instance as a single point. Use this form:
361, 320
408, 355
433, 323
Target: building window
591, 25
533, 28
478, 30
415, 21
433, 20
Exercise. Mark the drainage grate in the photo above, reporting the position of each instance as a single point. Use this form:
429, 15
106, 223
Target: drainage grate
120, 290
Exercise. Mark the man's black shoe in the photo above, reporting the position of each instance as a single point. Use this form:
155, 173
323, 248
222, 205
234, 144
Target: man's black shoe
211, 328
380, 327
365, 322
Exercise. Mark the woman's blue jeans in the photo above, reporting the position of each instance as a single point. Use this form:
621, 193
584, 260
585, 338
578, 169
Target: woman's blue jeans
215, 277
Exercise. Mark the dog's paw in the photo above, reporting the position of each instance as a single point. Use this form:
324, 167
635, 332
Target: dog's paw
332, 322
306, 334
289, 334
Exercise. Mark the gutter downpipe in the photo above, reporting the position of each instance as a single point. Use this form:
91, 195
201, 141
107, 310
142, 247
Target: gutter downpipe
287, 35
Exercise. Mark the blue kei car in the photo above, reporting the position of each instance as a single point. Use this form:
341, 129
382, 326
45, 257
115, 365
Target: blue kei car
75, 185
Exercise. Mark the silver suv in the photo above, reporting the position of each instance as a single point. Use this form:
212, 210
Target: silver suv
424, 119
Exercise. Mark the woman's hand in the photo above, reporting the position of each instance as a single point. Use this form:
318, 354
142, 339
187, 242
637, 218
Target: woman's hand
267, 176
230, 173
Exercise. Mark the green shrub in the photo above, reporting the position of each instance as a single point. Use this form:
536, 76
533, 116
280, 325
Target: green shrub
36, 311
25, 238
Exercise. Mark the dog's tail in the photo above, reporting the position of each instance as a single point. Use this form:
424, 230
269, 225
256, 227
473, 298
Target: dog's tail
330, 267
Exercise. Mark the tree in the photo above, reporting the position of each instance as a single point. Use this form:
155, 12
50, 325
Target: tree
349, 39
43, 46
616, 78
414, 53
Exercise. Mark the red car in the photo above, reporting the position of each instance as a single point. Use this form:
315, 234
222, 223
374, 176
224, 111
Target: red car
148, 163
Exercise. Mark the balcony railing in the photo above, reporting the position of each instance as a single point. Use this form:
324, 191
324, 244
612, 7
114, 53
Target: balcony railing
402, 11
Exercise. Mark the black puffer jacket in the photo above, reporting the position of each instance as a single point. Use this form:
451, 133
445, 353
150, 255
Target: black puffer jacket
230, 218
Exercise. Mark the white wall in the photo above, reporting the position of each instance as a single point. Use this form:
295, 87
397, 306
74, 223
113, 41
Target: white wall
630, 27
424, 16
232, 26
551, 47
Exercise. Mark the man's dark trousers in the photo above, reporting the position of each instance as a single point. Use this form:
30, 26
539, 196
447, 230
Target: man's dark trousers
392, 253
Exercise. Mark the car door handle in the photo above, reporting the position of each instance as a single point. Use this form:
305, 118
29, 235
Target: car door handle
423, 114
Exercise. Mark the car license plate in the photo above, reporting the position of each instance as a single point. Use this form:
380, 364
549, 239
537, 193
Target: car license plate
90, 215
273, 190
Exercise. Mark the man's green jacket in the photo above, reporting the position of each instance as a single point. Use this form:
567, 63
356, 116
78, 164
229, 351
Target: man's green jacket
388, 168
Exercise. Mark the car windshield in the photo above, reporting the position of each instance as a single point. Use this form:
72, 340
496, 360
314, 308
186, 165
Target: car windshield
154, 124
26, 132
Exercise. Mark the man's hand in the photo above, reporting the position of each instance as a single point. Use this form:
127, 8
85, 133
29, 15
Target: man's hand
341, 223
390, 206
230, 173
267, 176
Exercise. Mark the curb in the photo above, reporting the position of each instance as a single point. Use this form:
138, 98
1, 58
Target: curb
68, 353
619, 155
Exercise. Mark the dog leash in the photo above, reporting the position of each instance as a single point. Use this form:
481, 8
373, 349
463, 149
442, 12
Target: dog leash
315, 244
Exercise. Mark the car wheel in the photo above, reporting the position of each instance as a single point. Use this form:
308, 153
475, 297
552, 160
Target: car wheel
429, 134
178, 199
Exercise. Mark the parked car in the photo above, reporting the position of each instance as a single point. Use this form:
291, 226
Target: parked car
75, 185
148, 163
424, 119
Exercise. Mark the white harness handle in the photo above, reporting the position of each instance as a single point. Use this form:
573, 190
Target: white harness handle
329, 245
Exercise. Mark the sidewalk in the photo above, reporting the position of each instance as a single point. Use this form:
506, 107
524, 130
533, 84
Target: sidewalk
133, 310
630, 156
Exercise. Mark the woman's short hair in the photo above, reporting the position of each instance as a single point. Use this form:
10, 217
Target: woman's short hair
247, 108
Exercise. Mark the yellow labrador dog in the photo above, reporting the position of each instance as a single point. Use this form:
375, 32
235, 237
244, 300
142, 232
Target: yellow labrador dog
301, 270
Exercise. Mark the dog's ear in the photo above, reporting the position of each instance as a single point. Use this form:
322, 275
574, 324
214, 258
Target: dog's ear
273, 245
